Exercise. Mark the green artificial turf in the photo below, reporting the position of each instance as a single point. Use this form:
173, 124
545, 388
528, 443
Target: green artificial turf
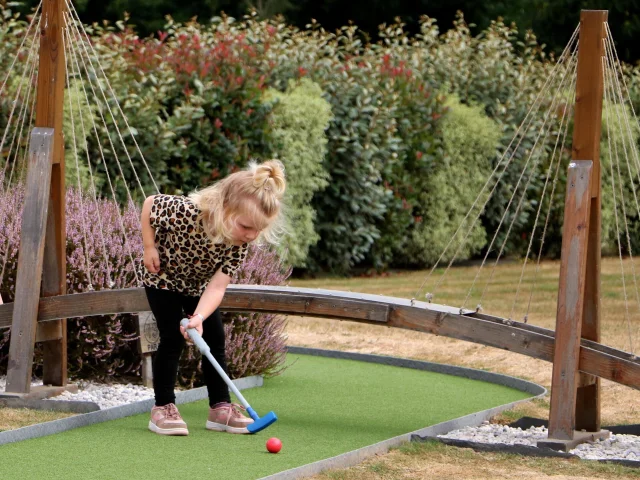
325, 407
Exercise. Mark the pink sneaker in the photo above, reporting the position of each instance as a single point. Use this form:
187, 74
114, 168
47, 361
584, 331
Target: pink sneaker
228, 417
167, 421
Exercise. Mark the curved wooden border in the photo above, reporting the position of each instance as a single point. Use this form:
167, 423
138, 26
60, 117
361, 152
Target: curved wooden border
595, 359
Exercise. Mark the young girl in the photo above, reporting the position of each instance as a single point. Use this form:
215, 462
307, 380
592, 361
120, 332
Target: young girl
192, 247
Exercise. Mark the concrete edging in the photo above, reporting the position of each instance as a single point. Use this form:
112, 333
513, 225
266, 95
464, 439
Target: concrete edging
355, 457
113, 413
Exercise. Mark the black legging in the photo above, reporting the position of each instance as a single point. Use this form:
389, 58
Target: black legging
168, 308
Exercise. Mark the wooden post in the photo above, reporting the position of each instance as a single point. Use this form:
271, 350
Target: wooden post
575, 397
30, 259
42, 260
147, 343
586, 145
49, 113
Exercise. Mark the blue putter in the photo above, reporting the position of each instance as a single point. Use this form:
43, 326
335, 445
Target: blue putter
259, 423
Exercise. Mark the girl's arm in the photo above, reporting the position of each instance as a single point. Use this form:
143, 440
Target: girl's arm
210, 300
150, 257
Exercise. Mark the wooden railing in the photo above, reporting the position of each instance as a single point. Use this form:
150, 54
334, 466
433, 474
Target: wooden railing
536, 342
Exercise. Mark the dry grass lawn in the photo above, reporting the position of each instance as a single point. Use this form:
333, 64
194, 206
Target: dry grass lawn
12, 418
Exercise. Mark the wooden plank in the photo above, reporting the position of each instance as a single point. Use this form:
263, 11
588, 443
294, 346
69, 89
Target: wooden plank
586, 141
133, 300
473, 330
30, 259
49, 113
615, 365
530, 340
573, 267
103, 302
348, 295
304, 304
545, 331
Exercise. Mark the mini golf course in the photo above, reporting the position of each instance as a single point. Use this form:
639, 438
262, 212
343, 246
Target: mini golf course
325, 407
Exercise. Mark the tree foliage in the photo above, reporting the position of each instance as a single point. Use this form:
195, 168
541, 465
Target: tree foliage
552, 21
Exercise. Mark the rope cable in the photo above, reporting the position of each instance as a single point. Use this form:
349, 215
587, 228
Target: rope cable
546, 118
109, 181
76, 72
563, 128
528, 118
76, 21
615, 203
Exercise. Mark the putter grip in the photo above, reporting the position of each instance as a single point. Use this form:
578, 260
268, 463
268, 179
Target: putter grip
206, 351
195, 336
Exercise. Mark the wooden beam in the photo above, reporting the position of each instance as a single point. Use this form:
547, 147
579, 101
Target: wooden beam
51, 71
589, 91
49, 114
586, 145
536, 342
30, 259
573, 267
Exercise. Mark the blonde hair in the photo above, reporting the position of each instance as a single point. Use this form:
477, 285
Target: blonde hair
256, 191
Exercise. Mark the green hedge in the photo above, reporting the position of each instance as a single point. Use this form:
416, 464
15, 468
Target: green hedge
299, 119
200, 100
470, 140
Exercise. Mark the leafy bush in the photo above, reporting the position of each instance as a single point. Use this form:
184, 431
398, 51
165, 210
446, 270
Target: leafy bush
360, 141
418, 116
498, 71
299, 119
76, 125
613, 141
470, 143
194, 95
192, 103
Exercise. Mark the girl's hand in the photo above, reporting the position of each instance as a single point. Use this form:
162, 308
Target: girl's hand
195, 321
151, 259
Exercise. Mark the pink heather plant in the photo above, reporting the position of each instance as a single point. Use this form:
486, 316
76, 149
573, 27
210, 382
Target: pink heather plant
98, 347
100, 247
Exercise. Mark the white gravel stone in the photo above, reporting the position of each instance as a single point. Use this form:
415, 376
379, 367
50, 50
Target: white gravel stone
619, 447
104, 395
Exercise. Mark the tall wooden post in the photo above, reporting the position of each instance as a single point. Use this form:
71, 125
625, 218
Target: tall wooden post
575, 398
49, 113
42, 258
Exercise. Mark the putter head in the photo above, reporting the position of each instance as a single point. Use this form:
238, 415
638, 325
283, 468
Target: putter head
262, 422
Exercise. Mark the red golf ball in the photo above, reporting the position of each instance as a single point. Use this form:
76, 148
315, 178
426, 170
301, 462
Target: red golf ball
274, 445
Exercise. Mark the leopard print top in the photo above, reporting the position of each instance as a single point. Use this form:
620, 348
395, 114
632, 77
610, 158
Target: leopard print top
188, 259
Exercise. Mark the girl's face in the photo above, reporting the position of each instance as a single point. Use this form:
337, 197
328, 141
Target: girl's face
244, 230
